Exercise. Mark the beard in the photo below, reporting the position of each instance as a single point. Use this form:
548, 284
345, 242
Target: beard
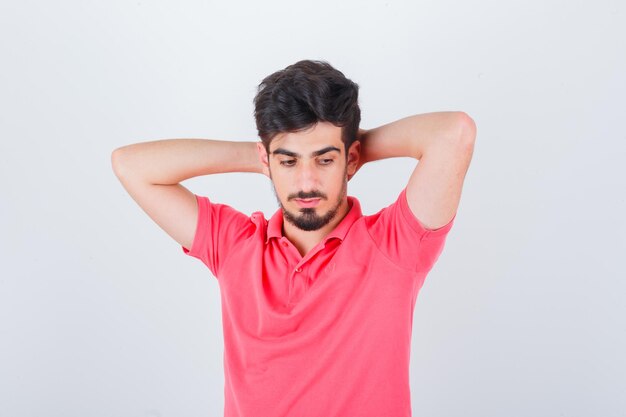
307, 218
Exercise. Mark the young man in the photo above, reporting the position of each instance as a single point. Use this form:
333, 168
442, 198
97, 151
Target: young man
317, 301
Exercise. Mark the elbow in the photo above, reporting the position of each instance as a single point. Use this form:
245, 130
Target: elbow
467, 128
117, 157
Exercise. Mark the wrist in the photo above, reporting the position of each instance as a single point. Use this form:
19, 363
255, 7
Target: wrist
362, 138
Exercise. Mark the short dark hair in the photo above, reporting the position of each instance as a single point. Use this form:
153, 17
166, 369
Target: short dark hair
302, 94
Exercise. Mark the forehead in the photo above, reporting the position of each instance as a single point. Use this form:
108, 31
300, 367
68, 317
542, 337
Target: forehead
321, 135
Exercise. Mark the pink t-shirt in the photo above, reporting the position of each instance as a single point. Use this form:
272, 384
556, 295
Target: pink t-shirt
327, 334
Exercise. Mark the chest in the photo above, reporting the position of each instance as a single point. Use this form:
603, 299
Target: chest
276, 289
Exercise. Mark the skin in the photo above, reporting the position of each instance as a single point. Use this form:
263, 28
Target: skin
304, 175
443, 142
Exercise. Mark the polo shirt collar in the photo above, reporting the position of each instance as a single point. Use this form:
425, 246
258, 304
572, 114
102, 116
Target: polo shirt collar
275, 223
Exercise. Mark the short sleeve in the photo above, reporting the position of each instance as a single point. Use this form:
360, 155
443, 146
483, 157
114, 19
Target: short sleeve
403, 238
219, 229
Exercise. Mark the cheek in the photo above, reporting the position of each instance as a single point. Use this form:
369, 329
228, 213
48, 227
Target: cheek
280, 184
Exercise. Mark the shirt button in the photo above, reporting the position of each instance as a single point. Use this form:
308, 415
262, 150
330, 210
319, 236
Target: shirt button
284, 243
298, 269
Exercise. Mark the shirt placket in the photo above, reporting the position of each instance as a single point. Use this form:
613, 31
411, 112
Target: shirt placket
298, 273
297, 284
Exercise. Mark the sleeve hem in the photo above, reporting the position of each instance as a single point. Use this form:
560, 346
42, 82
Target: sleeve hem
193, 251
417, 225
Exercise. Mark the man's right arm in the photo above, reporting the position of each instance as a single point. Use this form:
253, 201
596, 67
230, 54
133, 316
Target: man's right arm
151, 173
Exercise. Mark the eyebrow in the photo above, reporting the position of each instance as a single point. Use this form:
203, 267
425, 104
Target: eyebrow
283, 151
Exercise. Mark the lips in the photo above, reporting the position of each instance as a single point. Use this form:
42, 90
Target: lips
309, 202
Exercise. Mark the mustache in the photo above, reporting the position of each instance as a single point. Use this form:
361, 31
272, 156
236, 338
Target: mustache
312, 194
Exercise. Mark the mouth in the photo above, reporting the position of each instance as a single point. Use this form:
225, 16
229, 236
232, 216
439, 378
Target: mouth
308, 202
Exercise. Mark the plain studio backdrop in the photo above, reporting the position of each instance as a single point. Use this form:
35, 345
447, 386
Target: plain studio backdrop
101, 313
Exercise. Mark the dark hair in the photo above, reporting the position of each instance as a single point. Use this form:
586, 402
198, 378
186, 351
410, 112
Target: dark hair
297, 97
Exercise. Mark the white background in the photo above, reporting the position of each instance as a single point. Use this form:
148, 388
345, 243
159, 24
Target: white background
101, 313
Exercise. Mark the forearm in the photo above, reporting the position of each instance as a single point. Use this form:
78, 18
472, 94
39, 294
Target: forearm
411, 136
170, 161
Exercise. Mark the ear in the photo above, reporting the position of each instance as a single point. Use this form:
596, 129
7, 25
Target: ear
354, 154
263, 158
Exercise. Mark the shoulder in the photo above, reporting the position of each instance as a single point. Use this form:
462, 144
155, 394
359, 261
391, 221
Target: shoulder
222, 231
225, 220
399, 214
402, 237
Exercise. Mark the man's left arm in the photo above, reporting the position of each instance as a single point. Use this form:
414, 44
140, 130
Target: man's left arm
443, 142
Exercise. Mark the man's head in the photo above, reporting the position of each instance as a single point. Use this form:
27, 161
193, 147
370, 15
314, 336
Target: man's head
297, 97
308, 117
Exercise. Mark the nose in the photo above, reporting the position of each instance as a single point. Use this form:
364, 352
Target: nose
307, 178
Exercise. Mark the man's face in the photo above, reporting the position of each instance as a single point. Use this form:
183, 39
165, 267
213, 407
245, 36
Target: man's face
309, 165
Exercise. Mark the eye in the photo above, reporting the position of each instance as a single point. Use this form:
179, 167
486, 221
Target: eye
326, 161
288, 162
